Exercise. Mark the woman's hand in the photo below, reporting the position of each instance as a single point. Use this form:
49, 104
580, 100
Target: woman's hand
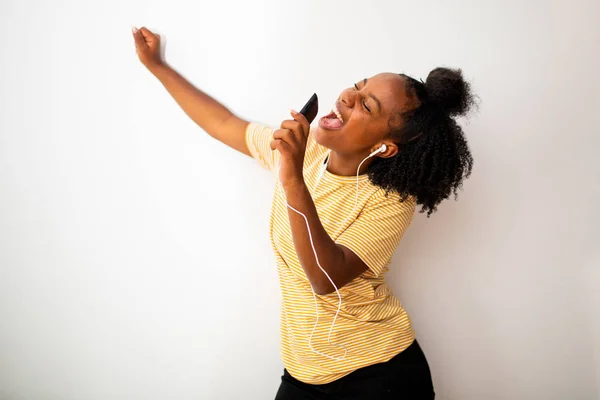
147, 45
290, 141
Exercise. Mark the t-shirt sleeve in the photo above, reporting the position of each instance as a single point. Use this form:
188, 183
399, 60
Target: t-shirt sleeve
376, 233
258, 140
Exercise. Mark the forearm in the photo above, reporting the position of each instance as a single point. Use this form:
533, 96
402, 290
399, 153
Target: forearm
331, 256
205, 111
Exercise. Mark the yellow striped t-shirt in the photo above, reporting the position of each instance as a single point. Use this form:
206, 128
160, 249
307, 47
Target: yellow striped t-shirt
371, 325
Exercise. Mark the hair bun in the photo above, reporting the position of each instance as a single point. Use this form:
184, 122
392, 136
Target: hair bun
447, 89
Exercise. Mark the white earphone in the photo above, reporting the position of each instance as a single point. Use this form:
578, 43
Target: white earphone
379, 150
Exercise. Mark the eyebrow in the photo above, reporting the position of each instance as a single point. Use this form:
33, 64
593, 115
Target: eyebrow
371, 95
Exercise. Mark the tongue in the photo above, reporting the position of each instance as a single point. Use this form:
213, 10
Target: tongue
332, 123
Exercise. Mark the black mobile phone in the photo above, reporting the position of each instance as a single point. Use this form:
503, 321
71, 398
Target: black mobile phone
311, 108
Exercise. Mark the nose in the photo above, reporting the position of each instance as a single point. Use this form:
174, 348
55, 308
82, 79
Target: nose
348, 98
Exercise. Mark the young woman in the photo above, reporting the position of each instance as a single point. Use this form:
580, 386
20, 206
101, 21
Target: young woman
346, 192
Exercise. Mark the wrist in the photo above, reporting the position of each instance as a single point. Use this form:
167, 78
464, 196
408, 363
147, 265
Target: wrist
158, 69
294, 186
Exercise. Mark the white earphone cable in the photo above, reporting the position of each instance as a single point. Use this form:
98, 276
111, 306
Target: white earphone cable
381, 149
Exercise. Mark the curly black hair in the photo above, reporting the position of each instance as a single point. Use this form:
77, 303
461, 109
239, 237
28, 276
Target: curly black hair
433, 157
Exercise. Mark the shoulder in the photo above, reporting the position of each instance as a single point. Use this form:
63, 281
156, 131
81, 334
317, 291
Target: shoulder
387, 203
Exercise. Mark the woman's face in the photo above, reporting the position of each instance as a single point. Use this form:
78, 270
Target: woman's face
365, 112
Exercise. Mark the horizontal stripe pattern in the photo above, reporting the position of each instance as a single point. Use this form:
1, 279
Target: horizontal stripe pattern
372, 325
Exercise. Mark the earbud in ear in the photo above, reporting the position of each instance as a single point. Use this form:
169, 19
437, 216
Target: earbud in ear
379, 150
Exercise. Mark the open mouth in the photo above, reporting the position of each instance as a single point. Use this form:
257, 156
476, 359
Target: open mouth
333, 120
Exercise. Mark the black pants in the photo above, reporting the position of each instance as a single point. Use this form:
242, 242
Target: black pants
406, 376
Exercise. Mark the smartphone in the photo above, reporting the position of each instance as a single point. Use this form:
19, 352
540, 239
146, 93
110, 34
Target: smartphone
311, 108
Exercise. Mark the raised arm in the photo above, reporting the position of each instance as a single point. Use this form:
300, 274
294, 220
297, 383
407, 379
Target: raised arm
212, 116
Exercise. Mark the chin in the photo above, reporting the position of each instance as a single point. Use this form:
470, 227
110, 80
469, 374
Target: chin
323, 137
318, 134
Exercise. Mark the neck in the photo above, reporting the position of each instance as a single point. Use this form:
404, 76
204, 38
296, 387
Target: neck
346, 165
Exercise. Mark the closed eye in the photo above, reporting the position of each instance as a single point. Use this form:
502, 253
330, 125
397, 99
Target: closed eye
363, 102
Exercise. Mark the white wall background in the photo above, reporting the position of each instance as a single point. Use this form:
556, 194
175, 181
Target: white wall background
134, 256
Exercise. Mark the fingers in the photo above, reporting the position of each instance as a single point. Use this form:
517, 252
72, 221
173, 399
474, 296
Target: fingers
299, 130
287, 135
149, 37
280, 145
145, 38
302, 120
292, 135
140, 43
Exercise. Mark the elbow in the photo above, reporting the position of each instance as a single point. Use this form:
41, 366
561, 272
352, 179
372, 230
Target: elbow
323, 288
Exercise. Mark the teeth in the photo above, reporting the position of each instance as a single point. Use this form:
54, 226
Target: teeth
337, 114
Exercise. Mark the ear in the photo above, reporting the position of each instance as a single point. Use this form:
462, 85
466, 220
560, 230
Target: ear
390, 151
